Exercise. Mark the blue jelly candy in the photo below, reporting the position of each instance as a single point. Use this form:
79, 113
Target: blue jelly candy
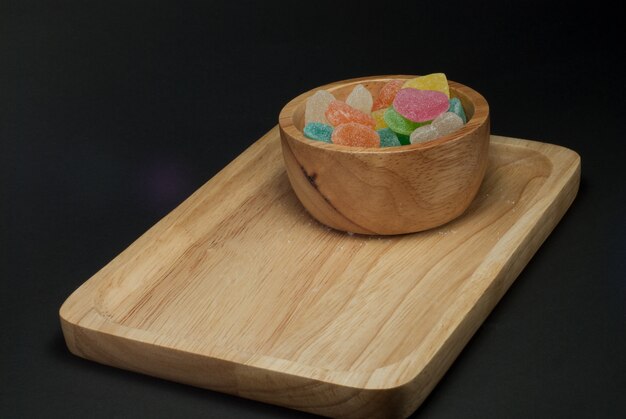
318, 131
388, 138
457, 107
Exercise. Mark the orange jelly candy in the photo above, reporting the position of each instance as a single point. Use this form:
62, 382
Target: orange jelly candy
387, 94
355, 135
339, 113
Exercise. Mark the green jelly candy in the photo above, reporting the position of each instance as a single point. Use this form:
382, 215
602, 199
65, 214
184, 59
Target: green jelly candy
404, 139
457, 107
318, 131
398, 123
388, 138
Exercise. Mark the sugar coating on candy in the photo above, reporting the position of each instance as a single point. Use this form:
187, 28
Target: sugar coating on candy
457, 107
316, 106
447, 123
435, 81
444, 124
318, 131
388, 138
424, 133
398, 123
339, 113
387, 94
379, 117
420, 105
356, 135
360, 98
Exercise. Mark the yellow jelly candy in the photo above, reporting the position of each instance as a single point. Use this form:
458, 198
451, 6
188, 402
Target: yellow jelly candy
379, 118
435, 81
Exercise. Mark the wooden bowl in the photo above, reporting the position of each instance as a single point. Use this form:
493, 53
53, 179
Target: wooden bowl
391, 190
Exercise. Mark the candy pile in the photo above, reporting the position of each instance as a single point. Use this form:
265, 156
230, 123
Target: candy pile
404, 112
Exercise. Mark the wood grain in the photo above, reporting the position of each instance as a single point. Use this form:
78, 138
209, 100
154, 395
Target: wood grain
239, 290
393, 190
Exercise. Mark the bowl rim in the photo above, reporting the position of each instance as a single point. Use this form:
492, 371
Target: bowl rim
286, 124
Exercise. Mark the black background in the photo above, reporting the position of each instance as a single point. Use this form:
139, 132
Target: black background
113, 112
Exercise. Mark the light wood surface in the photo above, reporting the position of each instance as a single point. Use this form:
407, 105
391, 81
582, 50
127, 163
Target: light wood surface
390, 190
239, 290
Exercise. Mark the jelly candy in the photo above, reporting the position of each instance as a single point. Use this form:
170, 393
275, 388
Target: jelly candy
387, 94
435, 81
316, 106
403, 112
340, 113
424, 133
355, 134
318, 131
420, 105
360, 98
447, 123
444, 124
379, 117
404, 139
457, 107
388, 138
398, 123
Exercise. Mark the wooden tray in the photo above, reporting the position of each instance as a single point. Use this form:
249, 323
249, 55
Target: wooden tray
239, 290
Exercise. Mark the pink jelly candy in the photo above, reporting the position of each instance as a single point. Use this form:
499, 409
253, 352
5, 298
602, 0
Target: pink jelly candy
420, 105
